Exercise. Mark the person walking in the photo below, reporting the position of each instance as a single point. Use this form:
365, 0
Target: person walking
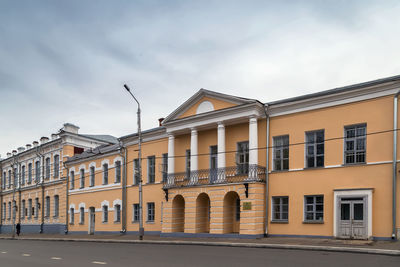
18, 228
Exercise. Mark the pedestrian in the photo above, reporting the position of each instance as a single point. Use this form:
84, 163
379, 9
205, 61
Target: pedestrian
18, 228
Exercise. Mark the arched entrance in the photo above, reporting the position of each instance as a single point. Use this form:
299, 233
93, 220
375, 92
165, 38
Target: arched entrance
203, 213
231, 218
178, 214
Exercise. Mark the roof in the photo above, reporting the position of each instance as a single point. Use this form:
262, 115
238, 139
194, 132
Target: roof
102, 137
103, 149
337, 90
143, 132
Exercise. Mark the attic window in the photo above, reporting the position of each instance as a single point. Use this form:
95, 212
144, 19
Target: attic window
205, 106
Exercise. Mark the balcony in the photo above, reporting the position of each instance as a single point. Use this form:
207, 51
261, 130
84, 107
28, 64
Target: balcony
235, 174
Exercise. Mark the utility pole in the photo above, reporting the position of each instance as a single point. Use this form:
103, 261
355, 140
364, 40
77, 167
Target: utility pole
141, 229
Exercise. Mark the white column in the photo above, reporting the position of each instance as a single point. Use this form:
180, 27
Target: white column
221, 151
253, 145
193, 153
171, 158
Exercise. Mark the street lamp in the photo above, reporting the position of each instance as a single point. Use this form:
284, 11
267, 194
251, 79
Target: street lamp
141, 229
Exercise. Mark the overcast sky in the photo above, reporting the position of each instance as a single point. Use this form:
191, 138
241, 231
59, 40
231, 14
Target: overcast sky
66, 61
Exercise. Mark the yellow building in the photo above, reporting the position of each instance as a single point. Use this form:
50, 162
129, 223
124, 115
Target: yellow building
33, 178
318, 165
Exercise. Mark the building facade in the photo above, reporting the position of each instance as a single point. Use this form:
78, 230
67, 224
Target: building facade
33, 181
318, 165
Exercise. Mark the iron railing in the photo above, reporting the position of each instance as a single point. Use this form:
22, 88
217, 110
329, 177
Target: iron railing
234, 174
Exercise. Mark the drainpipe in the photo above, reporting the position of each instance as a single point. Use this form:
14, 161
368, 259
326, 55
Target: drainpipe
394, 185
266, 173
124, 155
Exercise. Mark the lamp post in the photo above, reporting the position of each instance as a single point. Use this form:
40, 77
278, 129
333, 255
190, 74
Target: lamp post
141, 229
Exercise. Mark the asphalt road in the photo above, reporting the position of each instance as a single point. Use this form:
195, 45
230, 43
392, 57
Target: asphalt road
16, 253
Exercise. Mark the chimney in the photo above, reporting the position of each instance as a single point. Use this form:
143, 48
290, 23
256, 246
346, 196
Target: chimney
8, 154
54, 136
35, 143
14, 152
70, 128
28, 146
44, 140
160, 120
21, 149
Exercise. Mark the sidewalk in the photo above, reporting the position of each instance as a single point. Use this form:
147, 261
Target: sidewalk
357, 246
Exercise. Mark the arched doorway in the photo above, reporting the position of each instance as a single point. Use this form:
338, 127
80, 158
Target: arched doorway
231, 218
178, 214
203, 213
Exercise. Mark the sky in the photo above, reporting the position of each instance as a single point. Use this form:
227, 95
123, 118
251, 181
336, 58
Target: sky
67, 61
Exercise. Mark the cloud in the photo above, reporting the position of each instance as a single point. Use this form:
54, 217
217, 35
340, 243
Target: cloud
67, 61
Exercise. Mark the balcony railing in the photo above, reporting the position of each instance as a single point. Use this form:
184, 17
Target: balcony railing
235, 174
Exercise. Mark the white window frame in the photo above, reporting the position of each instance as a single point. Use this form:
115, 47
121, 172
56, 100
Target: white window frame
354, 139
105, 211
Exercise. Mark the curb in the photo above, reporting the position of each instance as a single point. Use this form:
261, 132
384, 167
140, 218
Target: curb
387, 252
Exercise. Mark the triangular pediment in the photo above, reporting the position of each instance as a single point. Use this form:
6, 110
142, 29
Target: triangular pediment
205, 101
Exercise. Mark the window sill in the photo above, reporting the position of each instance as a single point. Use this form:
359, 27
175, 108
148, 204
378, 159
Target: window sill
104, 222
119, 222
278, 171
150, 222
81, 223
276, 221
313, 222
314, 168
135, 221
71, 223
354, 164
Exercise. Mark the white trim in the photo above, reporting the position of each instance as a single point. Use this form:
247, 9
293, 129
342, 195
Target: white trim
352, 192
105, 203
82, 205
117, 201
72, 206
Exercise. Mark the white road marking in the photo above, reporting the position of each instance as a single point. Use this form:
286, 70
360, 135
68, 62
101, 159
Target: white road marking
3, 252
99, 262
26, 255
56, 258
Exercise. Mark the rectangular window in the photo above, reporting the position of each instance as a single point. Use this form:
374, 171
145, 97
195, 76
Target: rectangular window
280, 209
242, 157
9, 178
72, 180
105, 174
313, 208
354, 146
37, 171
136, 171
36, 210
150, 212
56, 206
82, 185
29, 208
56, 166
47, 213
23, 174
15, 177
23, 210
188, 164
47, 168
9, 211
281, 153
3, 180
165, 167
4, 211
71, 216
117, 172
117, 213
105, 214
135, 212
82, 215
29, 173
151, 170
315, 149
92, 176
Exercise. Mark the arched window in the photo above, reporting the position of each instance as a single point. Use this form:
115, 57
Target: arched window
82, 178
105, 173
23, 174
92, 176
105, 214
29, 208
82, 215
47, 168
117, 171
117, 213
72, 180
47, 208
23, 211
71, 215
56, 166
37, 171
56, 206
29, 173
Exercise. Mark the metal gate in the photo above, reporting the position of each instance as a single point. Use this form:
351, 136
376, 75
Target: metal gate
353, 218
